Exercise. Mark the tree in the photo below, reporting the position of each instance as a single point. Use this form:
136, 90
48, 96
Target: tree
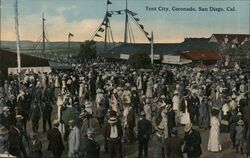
87, 51
140, 60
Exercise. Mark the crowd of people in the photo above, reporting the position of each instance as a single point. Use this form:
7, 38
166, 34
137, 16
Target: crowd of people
125, 106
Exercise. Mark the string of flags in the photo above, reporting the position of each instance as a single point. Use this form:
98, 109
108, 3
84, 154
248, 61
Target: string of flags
109, 15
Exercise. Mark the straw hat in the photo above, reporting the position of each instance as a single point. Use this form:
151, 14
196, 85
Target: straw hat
159, 128
112, 120
240, 122
163, 105
56, 122
71, 122
19, 117
6, 108
163, 96
216, 108
87, 104
239, 114
98, 90
188, 127
83, 114
143, 113
176, 92
115, 91
168, 106
234, 96
3, 130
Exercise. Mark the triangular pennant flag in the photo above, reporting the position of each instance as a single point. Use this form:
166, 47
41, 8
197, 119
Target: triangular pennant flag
149, 38
97, 35
109, 2
101, 29
137, 19
146, 33
109, 14
132, 13
70, 34
118, 12
141, 26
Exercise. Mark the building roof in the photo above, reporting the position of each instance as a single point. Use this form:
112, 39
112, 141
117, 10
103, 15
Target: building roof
195, 44
231, 37
201, 55
9, 59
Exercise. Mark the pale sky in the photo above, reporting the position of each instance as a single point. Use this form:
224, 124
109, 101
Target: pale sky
82, 17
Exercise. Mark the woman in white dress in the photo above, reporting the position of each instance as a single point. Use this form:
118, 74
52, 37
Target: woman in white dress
184, 114
214, 135
59, 104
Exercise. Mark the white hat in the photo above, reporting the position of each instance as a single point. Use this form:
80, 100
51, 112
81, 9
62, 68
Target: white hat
163, 104
163, 96
56, 122
19, 117
115, 91
234, 96
87, 104
176, 92
98, 90
112, 120
6, 108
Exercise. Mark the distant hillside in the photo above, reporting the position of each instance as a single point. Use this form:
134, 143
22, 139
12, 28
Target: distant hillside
53, 49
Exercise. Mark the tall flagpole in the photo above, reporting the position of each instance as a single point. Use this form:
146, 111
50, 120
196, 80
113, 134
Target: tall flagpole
152, 48
17, 38
126, 23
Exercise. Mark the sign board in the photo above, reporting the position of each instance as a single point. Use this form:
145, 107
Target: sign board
171, 59
124, 56
14, 70
156, 56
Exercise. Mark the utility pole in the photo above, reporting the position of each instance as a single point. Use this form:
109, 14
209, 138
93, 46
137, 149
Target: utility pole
17, 38
0, 24
126, 23
152, 48
44, 38
69, 53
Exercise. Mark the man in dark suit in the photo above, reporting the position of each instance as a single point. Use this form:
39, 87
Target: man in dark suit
144, 127
55, 140
192, 142
47, 110
194, 113
89, 147
131, 124
173, 145
113, 132
15, 144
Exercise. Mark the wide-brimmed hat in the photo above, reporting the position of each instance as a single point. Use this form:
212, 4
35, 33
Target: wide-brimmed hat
176, 92
234, 96
159, 128
98, 90
19, 117
240, 122
3, 130
163, 96
83, 114
168, 106
215, 108
143, 113
112, 120
188, 127
163, 104
56, 122
6, 108
239, 114
115, 91
71, 122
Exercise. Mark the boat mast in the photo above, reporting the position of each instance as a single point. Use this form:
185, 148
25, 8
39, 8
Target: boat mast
17, 38
126, 23
44, 38
106, 26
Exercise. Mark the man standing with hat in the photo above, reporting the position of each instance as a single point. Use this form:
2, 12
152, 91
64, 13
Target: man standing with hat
3, 139
159, 142
55, 140
144, 128
192, 140
174, 145
89, 147
113, 132
74, 139
35, 146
